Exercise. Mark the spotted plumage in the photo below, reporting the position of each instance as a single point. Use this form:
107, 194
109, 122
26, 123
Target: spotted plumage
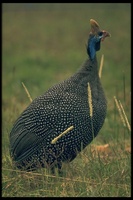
63, 107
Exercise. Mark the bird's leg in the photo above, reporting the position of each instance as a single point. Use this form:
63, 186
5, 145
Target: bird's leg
58, 165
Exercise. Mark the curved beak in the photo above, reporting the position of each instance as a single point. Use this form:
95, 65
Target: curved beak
105, 34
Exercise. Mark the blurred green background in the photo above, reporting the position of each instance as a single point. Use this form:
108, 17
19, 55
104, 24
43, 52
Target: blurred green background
43, 44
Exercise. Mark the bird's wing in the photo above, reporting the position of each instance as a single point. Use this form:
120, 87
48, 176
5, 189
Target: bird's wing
27, 145
24, 141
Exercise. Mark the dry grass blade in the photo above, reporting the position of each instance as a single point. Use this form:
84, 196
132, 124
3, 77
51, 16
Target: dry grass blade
90, 107
101, 66
63, 133
27, 92
122, 114
127, 122
90, 100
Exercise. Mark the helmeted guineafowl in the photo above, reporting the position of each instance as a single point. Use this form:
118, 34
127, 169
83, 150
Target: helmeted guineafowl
65, 119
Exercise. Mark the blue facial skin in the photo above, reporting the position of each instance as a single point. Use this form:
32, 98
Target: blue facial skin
93, 46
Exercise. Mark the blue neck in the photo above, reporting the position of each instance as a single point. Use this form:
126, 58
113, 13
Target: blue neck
93, 46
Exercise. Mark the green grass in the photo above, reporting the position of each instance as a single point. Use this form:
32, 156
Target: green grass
44, 44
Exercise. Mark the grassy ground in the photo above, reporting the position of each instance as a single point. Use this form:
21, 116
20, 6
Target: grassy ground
43, 44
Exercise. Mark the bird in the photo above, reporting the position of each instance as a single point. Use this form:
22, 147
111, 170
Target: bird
60, 123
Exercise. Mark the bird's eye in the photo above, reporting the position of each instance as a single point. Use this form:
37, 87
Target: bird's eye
100, 33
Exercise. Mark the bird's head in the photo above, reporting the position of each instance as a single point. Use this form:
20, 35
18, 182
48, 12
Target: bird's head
95, 37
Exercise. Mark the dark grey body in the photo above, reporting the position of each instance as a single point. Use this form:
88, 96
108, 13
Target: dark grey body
62, 106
